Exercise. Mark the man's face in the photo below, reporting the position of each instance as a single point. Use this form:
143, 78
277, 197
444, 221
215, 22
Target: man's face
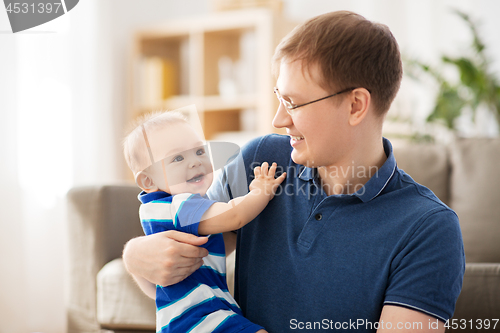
182, 159
319, 132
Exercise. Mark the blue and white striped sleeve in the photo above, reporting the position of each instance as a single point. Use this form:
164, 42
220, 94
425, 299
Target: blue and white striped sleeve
187, 210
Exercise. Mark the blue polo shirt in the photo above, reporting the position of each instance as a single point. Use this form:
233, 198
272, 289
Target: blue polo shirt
317, 262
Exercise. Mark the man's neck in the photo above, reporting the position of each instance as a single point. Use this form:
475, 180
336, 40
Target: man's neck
353, 172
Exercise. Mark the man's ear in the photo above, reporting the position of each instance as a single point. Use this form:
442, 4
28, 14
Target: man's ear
360, 104
145, 182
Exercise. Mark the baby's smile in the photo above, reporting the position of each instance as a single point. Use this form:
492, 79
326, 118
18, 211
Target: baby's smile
196, 179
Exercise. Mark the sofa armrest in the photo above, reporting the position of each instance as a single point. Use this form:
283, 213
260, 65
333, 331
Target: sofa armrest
121, 305
480, 296
101, 219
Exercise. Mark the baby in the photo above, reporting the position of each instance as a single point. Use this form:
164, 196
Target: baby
172, 167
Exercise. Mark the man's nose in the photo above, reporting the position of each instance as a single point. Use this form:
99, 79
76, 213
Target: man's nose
282, 118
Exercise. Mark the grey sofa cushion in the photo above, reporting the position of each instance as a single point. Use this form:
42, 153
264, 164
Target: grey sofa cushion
428, 165
480, 297
475, 196
120, 302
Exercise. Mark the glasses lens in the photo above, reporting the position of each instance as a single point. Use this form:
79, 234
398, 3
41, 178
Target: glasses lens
288, 106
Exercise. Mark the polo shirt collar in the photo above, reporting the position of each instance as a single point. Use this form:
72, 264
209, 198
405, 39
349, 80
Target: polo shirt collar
306, 173
374, 186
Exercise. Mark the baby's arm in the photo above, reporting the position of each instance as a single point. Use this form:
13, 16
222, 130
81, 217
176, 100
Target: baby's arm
223, 217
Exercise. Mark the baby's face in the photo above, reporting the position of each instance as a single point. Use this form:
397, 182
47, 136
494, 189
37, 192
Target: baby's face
185, 160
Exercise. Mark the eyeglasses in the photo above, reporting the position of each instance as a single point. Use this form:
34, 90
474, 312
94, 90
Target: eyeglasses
291, 107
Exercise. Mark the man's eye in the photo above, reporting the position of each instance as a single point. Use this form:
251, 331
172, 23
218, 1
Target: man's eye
178, 158
289, 104
200, 151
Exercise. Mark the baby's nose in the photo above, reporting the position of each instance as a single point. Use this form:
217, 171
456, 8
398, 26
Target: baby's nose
194, 162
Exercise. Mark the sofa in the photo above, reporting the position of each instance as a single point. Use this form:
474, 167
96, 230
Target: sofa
101, 219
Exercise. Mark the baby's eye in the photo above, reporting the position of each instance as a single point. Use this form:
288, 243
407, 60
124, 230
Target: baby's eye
200, 151
178, 158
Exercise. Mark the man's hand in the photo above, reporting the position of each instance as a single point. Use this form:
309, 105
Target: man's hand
164, 258
264, 180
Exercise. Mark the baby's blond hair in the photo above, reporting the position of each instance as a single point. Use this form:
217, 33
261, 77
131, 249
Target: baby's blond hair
135, 147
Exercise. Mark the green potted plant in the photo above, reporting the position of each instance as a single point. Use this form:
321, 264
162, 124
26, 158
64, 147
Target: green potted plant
477, 86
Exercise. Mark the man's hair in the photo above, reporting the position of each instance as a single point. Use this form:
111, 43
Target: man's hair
135, 147
350, 52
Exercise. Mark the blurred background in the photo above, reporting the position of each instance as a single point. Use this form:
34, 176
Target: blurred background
69, 87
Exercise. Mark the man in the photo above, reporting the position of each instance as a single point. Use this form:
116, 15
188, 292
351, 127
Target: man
351, 242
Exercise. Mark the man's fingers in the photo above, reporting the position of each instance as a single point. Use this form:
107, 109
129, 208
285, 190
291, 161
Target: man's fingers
184, 272
187, 262
162, 257
188, 266
191, 251
186, 238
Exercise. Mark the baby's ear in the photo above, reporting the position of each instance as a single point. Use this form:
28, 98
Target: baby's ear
145, 182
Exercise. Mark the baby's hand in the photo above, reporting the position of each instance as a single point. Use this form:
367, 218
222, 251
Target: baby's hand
264, 181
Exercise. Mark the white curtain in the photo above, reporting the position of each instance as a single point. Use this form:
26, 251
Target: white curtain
57, 130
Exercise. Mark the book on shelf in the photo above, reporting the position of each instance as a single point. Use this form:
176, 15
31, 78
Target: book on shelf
157, 81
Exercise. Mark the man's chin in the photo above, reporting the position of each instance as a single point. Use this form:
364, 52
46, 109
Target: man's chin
301, 159
295, 157
310, 163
